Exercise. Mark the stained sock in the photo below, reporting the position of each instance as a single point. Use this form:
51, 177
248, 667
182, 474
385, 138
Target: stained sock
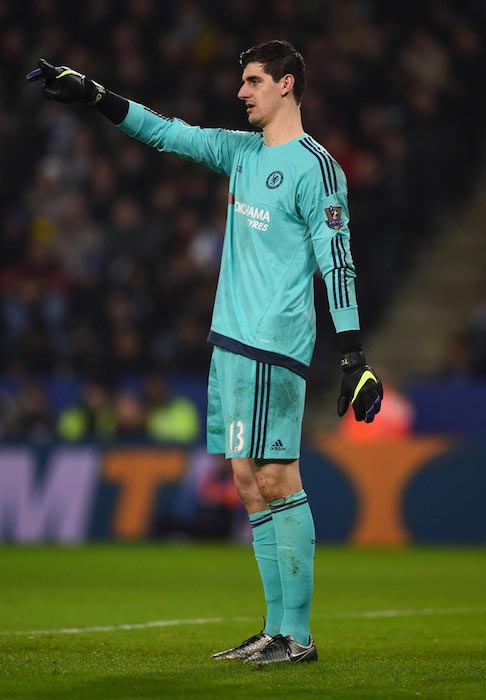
295, 535
265, 548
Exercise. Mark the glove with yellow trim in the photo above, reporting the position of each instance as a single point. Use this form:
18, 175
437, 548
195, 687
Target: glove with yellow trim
63, 84
361, 387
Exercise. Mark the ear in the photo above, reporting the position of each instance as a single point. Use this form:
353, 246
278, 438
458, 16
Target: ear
286, 84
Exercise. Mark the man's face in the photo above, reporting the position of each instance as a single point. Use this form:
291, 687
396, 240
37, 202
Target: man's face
261, 95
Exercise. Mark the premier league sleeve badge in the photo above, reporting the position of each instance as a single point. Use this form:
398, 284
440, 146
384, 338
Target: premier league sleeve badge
334, 220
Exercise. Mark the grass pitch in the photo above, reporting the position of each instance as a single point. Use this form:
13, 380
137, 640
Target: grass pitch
388, 624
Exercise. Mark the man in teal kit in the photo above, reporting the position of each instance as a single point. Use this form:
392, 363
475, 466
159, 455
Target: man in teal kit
287, 214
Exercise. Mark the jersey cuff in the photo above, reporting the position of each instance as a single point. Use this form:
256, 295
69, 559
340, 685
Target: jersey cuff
132, 123
346, 319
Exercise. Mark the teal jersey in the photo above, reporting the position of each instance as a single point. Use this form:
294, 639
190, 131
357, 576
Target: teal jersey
287, 215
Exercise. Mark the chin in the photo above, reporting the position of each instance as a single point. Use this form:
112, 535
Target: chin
254, 121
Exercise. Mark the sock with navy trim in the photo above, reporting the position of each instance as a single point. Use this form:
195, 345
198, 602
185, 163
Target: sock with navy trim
265, 548
295, 534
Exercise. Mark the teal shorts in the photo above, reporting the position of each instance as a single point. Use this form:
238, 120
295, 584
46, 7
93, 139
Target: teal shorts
254, 409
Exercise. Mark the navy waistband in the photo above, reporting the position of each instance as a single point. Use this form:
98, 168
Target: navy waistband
271, 358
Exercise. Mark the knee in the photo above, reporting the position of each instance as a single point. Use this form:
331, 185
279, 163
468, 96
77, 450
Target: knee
247, 489
277, 479
245, 486
269, 487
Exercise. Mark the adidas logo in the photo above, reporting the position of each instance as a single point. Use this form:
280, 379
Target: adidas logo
277, 445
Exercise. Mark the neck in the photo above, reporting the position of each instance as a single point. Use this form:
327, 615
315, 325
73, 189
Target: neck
285, 126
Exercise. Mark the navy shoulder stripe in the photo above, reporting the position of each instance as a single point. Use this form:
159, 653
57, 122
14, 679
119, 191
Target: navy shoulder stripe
329, 160
324, 180
325, 162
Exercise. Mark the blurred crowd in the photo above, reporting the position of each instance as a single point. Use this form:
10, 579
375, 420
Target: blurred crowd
95, 410
465, 353
110, 251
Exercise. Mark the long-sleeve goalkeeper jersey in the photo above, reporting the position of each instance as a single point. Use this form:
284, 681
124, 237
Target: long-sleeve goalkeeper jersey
287, 214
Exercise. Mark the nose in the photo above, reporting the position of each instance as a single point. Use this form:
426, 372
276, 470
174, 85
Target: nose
243, 92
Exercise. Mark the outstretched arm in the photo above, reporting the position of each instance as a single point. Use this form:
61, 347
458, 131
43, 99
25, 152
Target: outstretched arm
214, 148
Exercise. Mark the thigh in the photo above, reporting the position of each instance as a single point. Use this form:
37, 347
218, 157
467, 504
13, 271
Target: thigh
281, 426
260, 408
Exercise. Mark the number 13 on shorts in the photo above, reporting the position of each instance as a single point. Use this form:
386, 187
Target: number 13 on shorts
236, 439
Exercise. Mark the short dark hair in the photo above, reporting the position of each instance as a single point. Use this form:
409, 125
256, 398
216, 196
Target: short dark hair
278, 58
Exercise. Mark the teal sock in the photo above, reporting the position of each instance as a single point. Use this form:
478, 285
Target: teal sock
265, 547
294, 529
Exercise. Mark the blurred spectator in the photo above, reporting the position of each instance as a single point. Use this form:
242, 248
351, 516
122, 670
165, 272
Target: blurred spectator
220, 505
14, 236
130, 416
78, 241
478, 334
457, 363
207, 505
169, 418
465, 351
91, 419
27, 415
35, 303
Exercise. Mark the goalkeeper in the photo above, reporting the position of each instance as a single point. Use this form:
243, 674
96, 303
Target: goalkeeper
287, 214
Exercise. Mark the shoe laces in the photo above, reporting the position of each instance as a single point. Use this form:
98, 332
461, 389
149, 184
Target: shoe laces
278, 641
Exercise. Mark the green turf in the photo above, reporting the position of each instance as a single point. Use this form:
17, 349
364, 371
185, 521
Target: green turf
432, 646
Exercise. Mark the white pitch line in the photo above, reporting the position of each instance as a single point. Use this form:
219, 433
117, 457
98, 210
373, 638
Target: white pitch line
114, 628
365, 615
373, 614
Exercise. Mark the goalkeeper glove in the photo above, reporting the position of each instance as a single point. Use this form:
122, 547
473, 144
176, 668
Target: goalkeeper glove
66, 85
361, 387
